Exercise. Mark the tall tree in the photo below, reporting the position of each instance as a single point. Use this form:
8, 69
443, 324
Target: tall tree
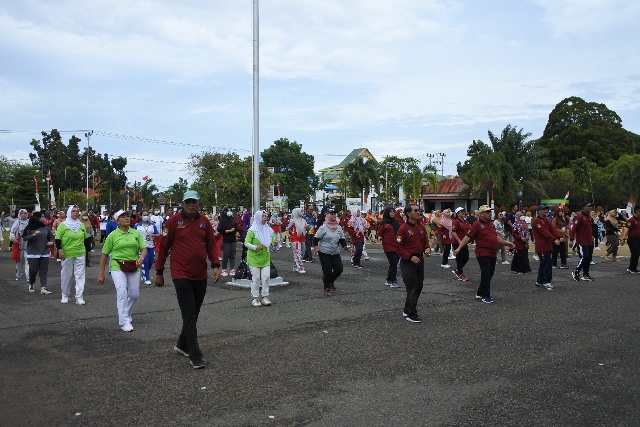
176, 190
294, 166
362, 175
577, 128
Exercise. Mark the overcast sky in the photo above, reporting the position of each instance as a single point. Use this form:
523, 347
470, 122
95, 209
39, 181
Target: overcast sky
398, 77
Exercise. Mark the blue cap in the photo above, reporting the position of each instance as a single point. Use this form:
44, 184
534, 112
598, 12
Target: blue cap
541, 207
190, 195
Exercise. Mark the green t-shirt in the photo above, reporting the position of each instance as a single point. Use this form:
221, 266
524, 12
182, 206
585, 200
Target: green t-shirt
123, 246
257, 258
71, 243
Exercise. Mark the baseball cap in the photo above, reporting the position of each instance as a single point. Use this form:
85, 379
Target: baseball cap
190, 195
484, 208
120, 213
541, 207
459, 210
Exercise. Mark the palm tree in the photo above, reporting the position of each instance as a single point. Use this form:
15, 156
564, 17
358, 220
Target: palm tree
361, 175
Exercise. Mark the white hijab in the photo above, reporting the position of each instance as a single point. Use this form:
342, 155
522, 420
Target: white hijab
261, 230
73, 224
297, 216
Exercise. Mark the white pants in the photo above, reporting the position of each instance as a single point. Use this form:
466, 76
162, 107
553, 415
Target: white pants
127, 293
72, 267
22, 265
259, 275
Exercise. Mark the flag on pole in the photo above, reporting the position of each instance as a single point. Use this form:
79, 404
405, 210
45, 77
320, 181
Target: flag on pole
52, 194
566, 197
630, 206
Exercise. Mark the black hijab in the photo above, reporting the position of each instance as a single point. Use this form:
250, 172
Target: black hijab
386, 219
34, 222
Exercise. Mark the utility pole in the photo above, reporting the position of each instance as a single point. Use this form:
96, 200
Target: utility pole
88, 136
256, 108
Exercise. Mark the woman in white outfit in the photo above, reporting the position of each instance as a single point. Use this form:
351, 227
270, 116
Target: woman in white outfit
259, 241
128, 250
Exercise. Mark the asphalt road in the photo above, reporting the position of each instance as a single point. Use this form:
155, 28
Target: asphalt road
567, 357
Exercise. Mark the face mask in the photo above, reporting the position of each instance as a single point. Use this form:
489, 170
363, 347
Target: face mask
229, 213
85, 217
145, 218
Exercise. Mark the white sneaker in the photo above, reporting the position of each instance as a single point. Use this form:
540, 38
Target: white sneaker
31, 290
127, 328
505, 262
265, 301
536, 257
445, 266
147, 282
224, 273
64, 299
45, 291
256, 303
80, 301
452, 257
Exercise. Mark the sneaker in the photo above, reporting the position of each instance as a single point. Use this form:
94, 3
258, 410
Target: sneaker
632, 271
301, 271
224, 272
598, 249
80, 301
478, 296
587, 278
197, 364
180, 351
505, 262
445, 266
464, 278
59, 260
413, 319
327, 293
536, 257
575, 276
233, 272
127, 328
265, 301
554, 266
31, 290
386, 282
547, 286
455, 273
256, 303
563, 267
404, 314
64, 299
452, 256
18, 277
356, 266
365, 258
147, 282
394, 285
592, 263
45, 291
539, 285
487, 300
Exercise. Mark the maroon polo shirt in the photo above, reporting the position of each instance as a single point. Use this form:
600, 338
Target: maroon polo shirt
544, 234
581, 231
633, 227
412, 240
191, 241
486, 237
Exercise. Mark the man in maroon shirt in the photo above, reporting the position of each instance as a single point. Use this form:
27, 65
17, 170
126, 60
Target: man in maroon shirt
633, 239
582, 234
413, 242
191, 239
484, 233
545, 235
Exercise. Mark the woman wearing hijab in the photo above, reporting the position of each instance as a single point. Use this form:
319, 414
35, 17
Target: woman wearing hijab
520, 233
387, 232
612, 232
128, 251
327, 241
357, 227
298, 230
18, 251
228, 227
70, 243
39, 239
446, 236
259, 241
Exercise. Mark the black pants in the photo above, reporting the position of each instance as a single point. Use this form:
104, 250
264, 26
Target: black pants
634, 247
357, 255
520, 261
413, 277
392, 272
190, 295
331, 269
308, 255
445, 254
586, 254
487, 268
462, 258
38, 266
229, 255
545, 268
561, 250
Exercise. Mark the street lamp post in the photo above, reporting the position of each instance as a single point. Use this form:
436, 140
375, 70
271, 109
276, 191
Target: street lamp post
88, 136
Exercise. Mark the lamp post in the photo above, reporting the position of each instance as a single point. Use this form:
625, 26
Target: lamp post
88, 136
519, 196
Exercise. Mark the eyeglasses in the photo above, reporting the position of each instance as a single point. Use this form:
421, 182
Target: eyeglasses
415, 210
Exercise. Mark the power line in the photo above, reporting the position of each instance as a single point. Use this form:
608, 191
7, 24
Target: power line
158, 141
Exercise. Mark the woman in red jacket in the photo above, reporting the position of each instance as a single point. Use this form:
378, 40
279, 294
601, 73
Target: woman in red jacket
387, 231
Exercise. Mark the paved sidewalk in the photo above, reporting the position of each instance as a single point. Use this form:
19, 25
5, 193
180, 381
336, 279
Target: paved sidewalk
567, 357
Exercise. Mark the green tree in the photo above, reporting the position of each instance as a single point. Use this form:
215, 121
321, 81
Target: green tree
175, 191
147, 192
577, 128
293, 166
394, 172
624, 174
361, 175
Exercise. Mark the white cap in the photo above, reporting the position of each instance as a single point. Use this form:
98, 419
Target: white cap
459, 210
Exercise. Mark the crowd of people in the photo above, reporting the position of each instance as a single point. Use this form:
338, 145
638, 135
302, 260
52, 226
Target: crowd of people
132, 243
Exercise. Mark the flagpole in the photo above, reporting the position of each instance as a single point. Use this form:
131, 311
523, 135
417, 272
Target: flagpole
256, 110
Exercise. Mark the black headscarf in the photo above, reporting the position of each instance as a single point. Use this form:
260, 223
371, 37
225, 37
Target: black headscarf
34, 222
386, 219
